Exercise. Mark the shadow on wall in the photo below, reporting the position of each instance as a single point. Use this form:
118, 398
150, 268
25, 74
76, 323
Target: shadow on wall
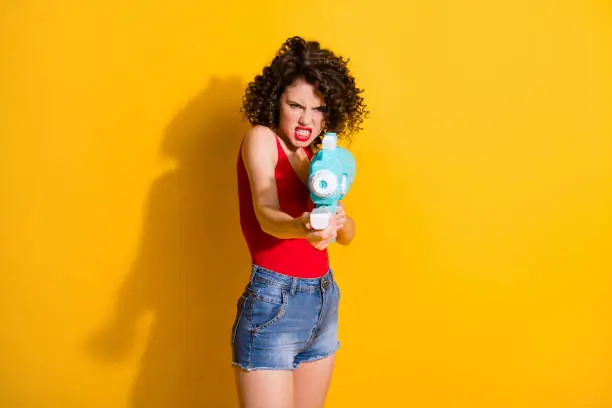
192, 263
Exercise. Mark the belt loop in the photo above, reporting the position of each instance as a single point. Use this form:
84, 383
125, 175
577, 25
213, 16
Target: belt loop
327, 280
253, 271
293, 286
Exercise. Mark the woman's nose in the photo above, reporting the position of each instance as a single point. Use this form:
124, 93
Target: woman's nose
305, 117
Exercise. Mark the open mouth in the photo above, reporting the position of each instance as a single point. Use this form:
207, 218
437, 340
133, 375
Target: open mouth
302, 134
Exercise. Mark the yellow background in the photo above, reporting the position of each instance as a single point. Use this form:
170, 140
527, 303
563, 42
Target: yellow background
481, 272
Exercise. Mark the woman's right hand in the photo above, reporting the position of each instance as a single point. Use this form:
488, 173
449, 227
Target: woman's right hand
319, 239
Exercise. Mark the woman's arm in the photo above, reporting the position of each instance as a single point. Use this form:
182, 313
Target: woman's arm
259, 154
345, 225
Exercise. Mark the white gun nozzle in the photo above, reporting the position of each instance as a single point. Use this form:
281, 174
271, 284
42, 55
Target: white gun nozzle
329, 142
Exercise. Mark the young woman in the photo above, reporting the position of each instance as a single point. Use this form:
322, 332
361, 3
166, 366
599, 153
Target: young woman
285, 333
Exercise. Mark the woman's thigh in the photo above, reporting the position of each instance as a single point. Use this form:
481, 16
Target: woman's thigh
311, 382
264, 388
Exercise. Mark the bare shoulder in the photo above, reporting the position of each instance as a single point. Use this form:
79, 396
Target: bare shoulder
259, 145
259, 131
259, 137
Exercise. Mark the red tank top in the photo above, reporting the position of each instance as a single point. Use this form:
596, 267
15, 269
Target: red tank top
293, 257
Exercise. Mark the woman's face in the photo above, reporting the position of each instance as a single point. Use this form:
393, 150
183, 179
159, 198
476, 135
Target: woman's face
301, 114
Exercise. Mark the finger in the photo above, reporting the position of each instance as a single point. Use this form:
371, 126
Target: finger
332, 235
322, 239
325, 233
330, 231
324, 244
321, 246
332, 224
316, 237
305, 220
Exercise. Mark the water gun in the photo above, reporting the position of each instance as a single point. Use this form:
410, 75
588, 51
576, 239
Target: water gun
331, 174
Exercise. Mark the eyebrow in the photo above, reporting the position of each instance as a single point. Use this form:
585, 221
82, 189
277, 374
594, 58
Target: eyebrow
299, 104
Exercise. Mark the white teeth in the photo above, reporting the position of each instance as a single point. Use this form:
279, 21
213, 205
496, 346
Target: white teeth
302, 132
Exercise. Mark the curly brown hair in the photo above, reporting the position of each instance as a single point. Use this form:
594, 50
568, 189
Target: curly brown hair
328, 73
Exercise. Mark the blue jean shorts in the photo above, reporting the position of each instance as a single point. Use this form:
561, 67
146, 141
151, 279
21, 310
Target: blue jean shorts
282, 321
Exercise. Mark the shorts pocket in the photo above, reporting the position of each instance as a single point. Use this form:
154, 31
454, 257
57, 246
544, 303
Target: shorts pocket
267, 310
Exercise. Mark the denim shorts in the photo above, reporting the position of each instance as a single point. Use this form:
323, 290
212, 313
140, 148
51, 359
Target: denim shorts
282, 321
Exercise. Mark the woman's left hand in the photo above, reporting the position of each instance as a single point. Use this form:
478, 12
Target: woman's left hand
340, 217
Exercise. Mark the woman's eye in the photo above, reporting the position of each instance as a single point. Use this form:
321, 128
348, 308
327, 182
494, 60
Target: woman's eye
321, 108
294, 105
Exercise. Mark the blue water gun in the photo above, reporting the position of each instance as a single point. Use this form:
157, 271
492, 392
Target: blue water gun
331, 174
